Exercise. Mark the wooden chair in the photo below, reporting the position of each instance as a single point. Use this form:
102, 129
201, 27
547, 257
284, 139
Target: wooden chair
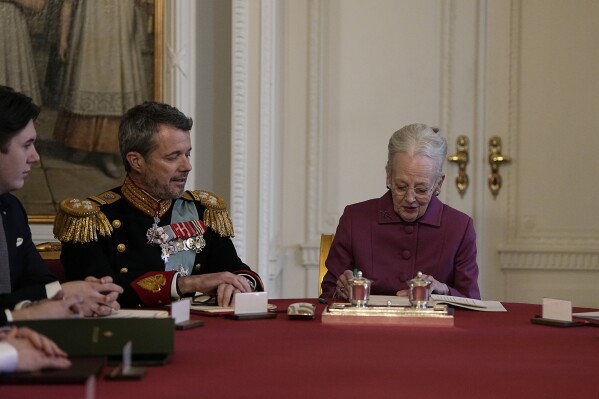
325, 244
50, 253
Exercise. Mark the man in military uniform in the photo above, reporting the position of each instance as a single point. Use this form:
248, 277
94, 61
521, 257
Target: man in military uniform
158, 241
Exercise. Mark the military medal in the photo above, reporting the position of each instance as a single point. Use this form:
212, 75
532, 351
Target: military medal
177, 237
153, 233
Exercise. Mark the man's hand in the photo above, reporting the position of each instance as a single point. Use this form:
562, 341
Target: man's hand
50, 309
224, 284
36, 351
99, 295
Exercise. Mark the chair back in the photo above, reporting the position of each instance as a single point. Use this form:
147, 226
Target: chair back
325, 245
50, 253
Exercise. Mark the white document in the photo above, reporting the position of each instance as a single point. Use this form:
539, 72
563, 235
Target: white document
587, 315
468, 303
459, 301
137, 313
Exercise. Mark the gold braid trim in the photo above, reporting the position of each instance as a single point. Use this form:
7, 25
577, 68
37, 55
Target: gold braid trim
215, 216
80, 221
142, 200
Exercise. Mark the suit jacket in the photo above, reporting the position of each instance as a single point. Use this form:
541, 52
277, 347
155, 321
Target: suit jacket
28, 272
372, 238
136, 265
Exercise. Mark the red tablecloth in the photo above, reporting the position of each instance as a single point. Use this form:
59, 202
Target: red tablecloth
485, 355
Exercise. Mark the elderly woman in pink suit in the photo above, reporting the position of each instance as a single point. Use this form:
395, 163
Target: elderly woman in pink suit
407, 230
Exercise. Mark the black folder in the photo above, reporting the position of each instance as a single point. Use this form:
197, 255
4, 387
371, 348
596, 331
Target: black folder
152, 338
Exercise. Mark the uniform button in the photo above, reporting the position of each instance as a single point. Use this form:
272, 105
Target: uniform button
116, 223
121, 247
160, 301
409, 229
406, 254
124, 270
197, 267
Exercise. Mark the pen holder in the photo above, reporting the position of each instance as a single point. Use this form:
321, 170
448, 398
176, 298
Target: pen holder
419, 292
359, 290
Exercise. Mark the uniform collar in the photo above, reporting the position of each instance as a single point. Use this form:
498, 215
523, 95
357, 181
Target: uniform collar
386, 214
143, 201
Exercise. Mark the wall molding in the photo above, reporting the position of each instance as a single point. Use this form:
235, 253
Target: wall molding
315, 173
239, 124
513, 259
269, 195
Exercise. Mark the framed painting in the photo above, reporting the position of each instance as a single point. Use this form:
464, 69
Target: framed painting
85, 62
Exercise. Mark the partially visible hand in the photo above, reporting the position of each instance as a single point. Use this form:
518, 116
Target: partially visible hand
211, 283
342, 288
99, 295
436, 287
36, 351
226, 294
50, 309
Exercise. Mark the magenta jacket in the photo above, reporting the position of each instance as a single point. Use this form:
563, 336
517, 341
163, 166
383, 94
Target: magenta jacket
372, 238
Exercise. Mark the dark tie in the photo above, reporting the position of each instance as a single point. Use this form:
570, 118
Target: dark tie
4, 269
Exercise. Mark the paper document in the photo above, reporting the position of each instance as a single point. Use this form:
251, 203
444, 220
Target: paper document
587, 315
218, 310
468, 303
459, 301
138, 313
212, 309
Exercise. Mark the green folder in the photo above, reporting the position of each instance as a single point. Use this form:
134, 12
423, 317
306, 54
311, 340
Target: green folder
152, 338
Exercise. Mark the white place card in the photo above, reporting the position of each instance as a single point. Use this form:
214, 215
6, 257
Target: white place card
180, 310
557, 309
90, 387
127, 357
251, 302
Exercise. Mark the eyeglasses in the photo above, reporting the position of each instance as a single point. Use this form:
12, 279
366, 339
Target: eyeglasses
420, 192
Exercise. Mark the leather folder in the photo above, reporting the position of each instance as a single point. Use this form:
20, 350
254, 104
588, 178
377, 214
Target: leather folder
152, 338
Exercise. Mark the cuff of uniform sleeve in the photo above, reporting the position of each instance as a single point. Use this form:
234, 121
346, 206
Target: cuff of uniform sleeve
52, 289
175, 293
8, 358
22, 305
9, 318
154, 288
252, 278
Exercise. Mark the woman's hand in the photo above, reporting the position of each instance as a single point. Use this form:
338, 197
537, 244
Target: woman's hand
342, 289
436, 287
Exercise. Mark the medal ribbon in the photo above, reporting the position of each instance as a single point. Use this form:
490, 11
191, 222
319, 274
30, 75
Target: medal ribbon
183, 230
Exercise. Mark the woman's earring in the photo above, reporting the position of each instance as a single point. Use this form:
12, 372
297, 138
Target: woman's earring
389, 186
437, 193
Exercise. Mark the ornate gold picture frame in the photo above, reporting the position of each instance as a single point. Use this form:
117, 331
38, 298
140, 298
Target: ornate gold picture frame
85, 62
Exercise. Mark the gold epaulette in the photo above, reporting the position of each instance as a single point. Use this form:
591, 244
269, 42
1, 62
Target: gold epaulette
80, 221
215, 216
107, 197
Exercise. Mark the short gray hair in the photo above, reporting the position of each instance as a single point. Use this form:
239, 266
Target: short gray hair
418, 139
141, 123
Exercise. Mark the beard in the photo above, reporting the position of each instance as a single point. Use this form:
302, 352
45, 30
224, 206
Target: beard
164, 191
